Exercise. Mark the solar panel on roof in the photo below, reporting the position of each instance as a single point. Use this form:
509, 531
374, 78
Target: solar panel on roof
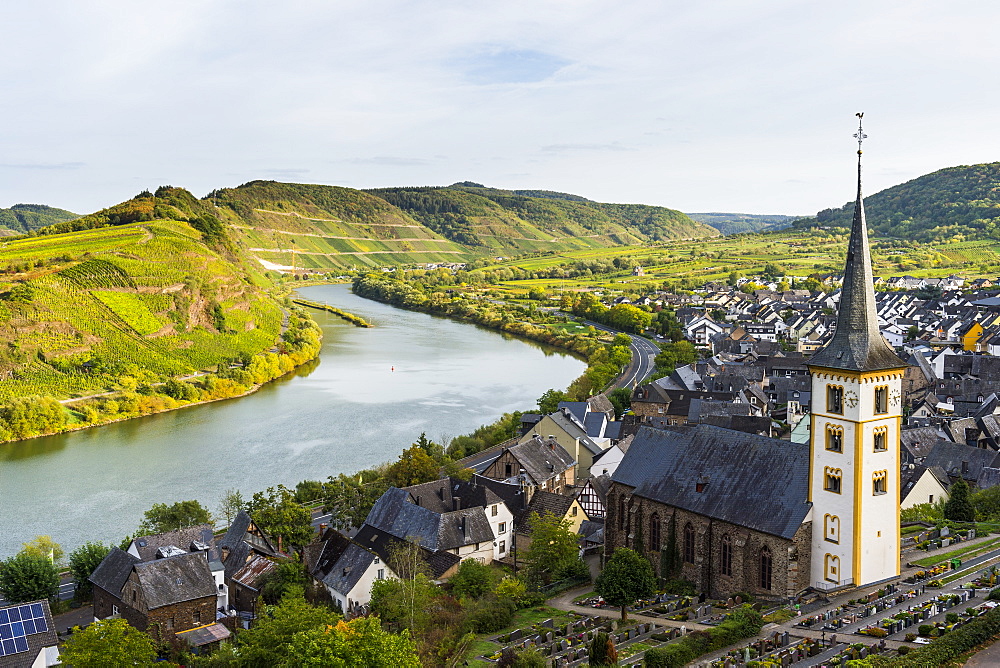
16, 623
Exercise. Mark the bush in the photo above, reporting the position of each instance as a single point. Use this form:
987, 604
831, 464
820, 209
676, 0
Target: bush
951, 617
925, 629
679, 587
904, 650
994, 595
671, 656
742, 622
474, 579
490, 615
959, 641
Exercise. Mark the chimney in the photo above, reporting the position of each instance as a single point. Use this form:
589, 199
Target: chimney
417, 499
552, 442
461, 524
441, 493
456, 503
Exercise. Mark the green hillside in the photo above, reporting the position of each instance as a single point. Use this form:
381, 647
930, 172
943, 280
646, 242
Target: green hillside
947, 205
492, 220
22, 218
740, 223
149, 300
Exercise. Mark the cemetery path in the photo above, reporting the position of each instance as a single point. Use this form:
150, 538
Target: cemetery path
564, 601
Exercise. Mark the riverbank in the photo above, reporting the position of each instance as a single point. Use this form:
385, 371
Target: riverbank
343, 315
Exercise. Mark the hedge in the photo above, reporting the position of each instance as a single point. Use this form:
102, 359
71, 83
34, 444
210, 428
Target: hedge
956, 643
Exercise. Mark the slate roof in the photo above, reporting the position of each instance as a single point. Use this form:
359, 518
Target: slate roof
111, 574
542, 460
382, 544
753, 481
511, 494
920, 440
857, 343
205, 635
176, 579
397, 515
950, 456
544, 503
37, 642
242, 544
184, 539
441, 495
344, 574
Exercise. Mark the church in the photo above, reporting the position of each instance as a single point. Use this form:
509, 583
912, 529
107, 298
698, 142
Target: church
769, 517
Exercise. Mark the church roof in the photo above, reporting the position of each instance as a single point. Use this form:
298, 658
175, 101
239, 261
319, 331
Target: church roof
857, 343
752, 481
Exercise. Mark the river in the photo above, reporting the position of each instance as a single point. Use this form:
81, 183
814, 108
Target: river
370, 394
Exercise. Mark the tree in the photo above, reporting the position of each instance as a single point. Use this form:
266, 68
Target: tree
550, 400
349, 499
82, 563
28, 577
162, 518
405, 601
553, 548
276, 512
626, 577
359, 642
269, 642
281, 580
108, 643
474, 579
959, 508
414, 467
230, 505
44, 546
621, 399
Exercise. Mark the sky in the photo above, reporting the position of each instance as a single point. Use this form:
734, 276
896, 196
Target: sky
734, 106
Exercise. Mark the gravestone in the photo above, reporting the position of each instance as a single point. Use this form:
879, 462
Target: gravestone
548, 623
548, 636
730, 602
739, 600
515, 634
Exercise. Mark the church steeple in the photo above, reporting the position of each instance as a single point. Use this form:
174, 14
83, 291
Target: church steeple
857, 343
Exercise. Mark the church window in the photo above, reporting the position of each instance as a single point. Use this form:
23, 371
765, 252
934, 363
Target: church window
831, 528
622, 512
882, 399
654, 531
831, 568
835, 399
689, 543
834, 438
831, 479
880, 482
881, 439
727, 556
765, 568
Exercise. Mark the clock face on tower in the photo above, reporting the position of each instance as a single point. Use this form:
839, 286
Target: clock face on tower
851, 398
894, 398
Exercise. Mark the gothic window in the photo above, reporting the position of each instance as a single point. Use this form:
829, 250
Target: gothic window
881, 439
831, 528
831, 479
880, 482
654, 531
831, 568
727, 556
834, 438
835, 399
765, 568
882, 399
622, 512
689, 543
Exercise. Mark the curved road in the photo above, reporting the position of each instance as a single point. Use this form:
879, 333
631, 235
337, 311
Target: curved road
643, 353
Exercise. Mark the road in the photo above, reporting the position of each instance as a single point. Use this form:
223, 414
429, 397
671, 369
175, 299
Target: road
641, 367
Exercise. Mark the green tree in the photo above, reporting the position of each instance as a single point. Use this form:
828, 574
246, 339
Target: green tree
270, 640
627, 577
550, 400
44, 546
230, 505
621, 399
414, 467
82, 563
474, 579
277, 513
359, 642
553, 550
282, 579
28, 577
349, 499
108, 643
162, 518
959, 508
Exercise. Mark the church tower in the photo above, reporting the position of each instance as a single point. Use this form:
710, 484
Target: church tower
855, 423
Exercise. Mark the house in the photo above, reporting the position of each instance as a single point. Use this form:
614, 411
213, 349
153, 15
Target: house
162, 597
593, 497
347, 570
28, 636
555, 505
568, 427
701, 329
198, 538
536, 464
923, 485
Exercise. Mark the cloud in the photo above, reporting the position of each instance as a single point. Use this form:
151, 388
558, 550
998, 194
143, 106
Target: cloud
43, 165
566, 148
502, 65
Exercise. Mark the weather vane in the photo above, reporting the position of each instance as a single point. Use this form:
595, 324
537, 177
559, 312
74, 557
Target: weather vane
860, 136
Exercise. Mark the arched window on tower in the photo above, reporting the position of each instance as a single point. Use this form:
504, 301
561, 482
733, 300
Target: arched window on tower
765, 568
689, 543
726, 567
654, 531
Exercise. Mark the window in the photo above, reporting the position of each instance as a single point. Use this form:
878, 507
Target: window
882, 399
494, 511
727, 556
881, 439
834, 438
134, 595
930, 498
377, 560
622, 512
380, 575
508, 470
170, 622
654, 531
502, 528
197, 616
572, 511
831, 479
831, 528
835, 399
831, 568
689, 543
880, 482
765, 568
503, 546
114, 609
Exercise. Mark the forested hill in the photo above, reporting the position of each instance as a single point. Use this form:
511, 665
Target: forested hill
22, 218
739, 223
953, 203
